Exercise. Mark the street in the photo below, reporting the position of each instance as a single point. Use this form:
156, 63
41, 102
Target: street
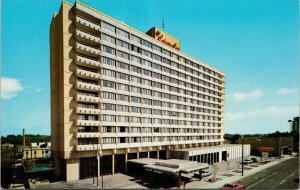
282, 176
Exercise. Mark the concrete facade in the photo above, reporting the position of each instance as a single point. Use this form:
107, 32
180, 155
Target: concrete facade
122, 94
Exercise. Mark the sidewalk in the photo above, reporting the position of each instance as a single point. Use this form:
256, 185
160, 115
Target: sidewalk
204, 184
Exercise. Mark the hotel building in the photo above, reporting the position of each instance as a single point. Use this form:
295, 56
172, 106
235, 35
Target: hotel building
124, 94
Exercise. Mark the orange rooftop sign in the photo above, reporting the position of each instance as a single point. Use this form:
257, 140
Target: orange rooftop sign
164, 38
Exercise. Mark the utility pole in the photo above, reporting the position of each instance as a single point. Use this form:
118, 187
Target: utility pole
242, 155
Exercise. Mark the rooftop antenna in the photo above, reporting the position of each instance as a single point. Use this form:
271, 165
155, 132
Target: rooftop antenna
163, 24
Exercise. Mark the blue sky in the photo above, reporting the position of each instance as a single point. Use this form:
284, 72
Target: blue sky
255, 42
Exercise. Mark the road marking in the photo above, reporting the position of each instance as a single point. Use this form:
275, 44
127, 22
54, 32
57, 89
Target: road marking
274, 173
282, 181
292, 175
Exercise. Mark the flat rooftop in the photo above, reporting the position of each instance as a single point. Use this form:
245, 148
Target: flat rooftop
209, 147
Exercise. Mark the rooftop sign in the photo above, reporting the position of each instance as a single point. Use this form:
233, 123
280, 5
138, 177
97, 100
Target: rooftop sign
164, 38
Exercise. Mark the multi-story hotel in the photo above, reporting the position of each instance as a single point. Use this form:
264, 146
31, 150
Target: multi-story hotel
124, 94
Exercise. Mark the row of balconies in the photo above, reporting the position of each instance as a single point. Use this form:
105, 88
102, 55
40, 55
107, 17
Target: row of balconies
87, 62
119, 134
139, 144
84, 98
87, 74
87, 50
87, 86
93, 111
86, 37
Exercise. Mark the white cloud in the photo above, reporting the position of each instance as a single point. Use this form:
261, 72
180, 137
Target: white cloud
239, 96
266, 112
10, 87
286, 91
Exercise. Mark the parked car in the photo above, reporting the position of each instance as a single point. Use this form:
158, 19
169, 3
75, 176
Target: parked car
254, 159
206, 173
228, 186
247, 161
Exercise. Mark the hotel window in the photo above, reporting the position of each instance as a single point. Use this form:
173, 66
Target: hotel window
147, 82
108, 72
156, 111
108, 50
156, 66
166, 78
166, 70
123, 108
166, 61
156, 94
123, 76
108, 38
156, 84
135, 119
146, 92
156, 48
135, 69
109, 84
135, 39
122, 33
123, 65
108, 26
147, 72
135, 79
156, 75
156, 139
175, 65
108, 61
135, 59
157, 103
124, 87
146, 111
174, 56
146, 53
182, 67
122, 44
156, 57
122, 54
146, 120
136, 49
110, 118
108, 140
147, 44
123, 97
135, 109
146, 101
166, 104
135, 89
135, 99
182, 59
109, 95
122, 118
166, 52
146, 63
107, 106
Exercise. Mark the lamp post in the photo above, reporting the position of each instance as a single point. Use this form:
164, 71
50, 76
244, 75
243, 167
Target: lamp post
242, 155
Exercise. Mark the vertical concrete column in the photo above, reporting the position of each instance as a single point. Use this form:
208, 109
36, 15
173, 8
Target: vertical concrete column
126, 157
158, 154
148, 154
113, 164
138, 155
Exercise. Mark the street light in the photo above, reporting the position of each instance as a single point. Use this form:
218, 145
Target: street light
242, 155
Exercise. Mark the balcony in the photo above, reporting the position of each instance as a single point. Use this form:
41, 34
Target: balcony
84, 23
88, 123
86, 147
88, 135
87, 74
87, 86
91, 99
88, 111
87, 50
86, 37
87, 62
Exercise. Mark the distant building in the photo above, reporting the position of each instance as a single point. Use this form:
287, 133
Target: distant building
295, 124
280, 145
37, 150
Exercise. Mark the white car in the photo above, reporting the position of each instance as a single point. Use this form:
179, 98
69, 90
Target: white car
206, 173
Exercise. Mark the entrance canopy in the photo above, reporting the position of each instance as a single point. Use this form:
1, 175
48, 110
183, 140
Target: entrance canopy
173, 166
